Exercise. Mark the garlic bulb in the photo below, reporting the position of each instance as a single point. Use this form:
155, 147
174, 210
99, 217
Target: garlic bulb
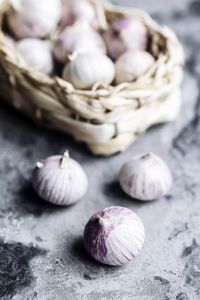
74, 10
114, 236
132, 64
34, 18
125, 34
37, 54
88, 69
60, 180
10, 42
145, 177
78, 38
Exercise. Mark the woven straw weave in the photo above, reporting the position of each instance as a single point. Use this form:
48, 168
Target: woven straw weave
107, 118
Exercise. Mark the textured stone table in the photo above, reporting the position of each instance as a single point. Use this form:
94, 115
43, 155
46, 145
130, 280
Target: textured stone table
41, 252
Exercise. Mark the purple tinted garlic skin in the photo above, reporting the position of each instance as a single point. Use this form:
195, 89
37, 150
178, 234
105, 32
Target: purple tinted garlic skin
74, 10
125, 34
34, 18
60, 180
146, 177
114, 236
79, 38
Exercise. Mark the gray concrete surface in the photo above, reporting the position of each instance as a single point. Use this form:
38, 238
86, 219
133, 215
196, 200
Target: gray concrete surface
41, 252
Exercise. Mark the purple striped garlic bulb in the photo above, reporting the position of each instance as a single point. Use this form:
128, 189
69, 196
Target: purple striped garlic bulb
34, 18
146, 177
60, 180
125, 34
114, 236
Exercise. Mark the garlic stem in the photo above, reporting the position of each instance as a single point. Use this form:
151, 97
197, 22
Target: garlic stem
39, 165
73, 56
64, 159
101, 220
147, 156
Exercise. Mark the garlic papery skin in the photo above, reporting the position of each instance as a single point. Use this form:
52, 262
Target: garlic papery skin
132, 64
9, 41
60, 180
34, 18
114, 236
74, 10
37, 54
146, 177
89, 68
125, 34
78, 38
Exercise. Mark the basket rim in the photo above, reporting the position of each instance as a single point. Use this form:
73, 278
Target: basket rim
37, 77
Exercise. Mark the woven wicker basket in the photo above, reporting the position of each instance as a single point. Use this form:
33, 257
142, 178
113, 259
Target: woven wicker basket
107, 118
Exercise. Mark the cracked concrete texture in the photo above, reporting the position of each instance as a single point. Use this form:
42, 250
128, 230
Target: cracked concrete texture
41, 252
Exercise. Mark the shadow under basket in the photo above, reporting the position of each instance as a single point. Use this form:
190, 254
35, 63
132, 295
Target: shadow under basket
107, 118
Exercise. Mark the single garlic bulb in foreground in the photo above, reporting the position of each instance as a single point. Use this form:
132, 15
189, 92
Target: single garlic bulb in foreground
145, 177
34, 18
125, 34
132, 64
74, 10
114, 236
60, 180
37, 54
78, 38
89, 68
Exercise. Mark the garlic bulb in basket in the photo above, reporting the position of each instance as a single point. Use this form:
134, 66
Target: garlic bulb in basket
132, 64
114, 236
145, 177
89, 68
37, 54
34, 18
78, 38
10, 42
60, 180
125, 34
74, 10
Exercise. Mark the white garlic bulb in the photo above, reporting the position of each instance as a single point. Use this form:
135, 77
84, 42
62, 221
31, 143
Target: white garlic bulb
78, 38
74, 10
34, 18
132, 64
89, 68
145, 177
10, 42
37, 54
60, 180
125, 34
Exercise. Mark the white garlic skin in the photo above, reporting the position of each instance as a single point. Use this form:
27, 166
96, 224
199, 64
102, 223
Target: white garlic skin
10, 42
60, 182
132, 64
145, 177
125, 34
74, 10
34, 18
114, 236
88, 69
37, 54
78, 38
